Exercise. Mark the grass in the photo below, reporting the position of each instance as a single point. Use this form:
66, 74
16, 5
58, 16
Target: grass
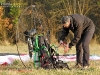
17, 67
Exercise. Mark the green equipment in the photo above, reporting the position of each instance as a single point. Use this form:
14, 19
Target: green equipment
40, 50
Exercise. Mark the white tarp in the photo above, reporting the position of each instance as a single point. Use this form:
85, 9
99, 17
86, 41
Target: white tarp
9, 59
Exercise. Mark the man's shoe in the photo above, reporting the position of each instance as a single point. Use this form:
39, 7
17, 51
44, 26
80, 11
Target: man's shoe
85, 67
78, 66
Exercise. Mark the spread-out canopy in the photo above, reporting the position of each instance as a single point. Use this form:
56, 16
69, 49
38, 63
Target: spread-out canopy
9, 58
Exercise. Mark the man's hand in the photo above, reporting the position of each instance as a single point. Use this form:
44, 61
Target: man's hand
61, 42
66, 48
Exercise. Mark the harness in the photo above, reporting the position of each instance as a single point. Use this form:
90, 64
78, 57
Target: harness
44, 55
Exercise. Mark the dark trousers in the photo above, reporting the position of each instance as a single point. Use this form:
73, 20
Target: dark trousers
82, 48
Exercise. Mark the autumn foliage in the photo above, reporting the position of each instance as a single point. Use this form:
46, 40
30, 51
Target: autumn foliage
5, 26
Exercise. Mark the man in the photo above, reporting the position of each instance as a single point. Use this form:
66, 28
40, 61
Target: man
83, 29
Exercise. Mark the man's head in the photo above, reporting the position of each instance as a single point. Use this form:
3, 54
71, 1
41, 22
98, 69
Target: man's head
65, 21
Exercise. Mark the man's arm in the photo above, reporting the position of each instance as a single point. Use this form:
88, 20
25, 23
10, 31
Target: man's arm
77, 35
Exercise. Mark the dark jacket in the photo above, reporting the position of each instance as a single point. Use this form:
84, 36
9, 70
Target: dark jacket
79, 25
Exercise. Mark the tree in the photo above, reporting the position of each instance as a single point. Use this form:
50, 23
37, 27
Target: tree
5, 26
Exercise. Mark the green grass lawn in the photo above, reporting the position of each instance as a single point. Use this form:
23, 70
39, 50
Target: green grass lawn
17, 68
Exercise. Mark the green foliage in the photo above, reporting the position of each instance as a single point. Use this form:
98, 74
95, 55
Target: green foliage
14, 13
2, 1
98, 3
16, 62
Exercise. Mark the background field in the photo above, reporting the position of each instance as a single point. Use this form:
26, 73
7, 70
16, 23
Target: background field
17, 68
